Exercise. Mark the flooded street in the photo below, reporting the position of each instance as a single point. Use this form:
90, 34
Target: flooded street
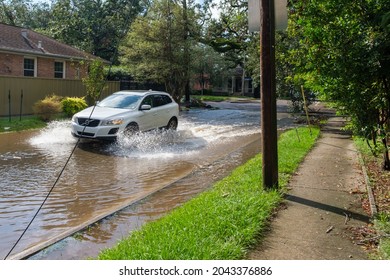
145, 175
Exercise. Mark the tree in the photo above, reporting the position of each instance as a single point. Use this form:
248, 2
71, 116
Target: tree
95, 82
229, 34
210, 66
25, 13
345, 48
159, 44
13, 12
95, 26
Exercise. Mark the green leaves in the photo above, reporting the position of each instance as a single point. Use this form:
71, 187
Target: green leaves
93, 26
95, 82
346, 47
159, 46
229, 34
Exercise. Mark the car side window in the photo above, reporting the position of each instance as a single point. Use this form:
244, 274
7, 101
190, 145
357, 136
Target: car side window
160, 100
148, 100
167, 99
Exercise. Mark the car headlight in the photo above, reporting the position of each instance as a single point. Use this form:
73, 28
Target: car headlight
74, 119
113, 122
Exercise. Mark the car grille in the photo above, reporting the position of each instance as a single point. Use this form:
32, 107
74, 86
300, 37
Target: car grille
85, 134
88, 122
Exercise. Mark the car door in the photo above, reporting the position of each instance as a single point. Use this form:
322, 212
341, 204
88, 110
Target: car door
147, 117
160, 110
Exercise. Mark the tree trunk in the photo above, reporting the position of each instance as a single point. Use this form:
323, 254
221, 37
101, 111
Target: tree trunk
386, 158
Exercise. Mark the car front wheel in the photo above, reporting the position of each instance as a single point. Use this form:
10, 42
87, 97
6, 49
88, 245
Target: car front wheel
172, 124
131, 129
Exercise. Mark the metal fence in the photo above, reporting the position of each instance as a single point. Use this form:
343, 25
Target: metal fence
18, 94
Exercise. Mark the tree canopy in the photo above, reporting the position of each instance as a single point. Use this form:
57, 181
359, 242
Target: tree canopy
25, 13
344, 55
95, 26
159, 44
229, 33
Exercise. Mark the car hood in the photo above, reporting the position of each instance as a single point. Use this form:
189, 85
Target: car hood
102, 112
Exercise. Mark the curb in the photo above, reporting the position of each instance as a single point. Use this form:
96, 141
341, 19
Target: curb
370, 194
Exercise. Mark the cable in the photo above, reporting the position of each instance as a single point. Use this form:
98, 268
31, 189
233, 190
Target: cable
58, 177
44, 201
78, 140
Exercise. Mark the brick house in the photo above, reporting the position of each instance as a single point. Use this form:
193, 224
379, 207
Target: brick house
26, 53
33, 66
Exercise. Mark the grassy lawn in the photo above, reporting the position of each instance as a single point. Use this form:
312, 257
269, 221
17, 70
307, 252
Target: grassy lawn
223, 222
218, 98
27, 122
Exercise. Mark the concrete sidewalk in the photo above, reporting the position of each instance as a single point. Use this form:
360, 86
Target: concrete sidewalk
322, 204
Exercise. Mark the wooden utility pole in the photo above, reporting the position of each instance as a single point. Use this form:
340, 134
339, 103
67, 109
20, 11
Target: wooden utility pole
268, 94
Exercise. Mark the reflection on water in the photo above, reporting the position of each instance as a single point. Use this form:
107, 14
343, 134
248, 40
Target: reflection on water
102, 178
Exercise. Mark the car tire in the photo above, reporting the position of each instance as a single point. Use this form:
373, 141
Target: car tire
131, 129
172, 124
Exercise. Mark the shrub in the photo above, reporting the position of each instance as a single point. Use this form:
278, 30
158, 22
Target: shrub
72, 105
48, 108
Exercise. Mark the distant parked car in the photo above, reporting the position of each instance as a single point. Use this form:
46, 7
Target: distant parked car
128, 112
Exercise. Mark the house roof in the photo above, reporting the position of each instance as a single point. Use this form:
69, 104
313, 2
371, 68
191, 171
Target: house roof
28, 42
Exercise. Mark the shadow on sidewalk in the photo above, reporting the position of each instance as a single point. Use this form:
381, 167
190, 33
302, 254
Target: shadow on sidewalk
329, 208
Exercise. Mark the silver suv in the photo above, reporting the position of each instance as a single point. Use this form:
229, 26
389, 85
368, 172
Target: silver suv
128, 112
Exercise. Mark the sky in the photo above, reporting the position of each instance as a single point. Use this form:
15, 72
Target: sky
215, 10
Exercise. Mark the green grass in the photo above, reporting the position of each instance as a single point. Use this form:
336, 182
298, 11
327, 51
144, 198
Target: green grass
384, 248
375, 153
215, 98
29, 122
382, 224
223, 222
211, 98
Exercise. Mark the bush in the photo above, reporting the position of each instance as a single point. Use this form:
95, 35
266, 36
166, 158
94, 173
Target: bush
48, 108
72, 105
298, 105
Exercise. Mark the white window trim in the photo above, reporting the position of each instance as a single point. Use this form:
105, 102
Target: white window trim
63, 69
35, 65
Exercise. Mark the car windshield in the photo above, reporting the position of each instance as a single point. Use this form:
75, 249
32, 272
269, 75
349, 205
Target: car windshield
123, 101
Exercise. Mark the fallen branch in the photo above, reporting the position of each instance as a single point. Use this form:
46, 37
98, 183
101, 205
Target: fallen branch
330, 229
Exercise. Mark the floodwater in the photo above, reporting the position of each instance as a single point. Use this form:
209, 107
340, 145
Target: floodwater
145, 175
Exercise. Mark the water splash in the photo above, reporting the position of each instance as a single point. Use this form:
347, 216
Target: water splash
194, 133
54, 140
56, 132
157, 144
190, 137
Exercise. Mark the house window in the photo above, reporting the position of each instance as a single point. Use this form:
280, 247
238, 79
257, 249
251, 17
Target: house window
59, 70
29, 67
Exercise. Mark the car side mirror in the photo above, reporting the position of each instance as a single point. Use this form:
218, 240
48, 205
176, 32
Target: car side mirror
145, 107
